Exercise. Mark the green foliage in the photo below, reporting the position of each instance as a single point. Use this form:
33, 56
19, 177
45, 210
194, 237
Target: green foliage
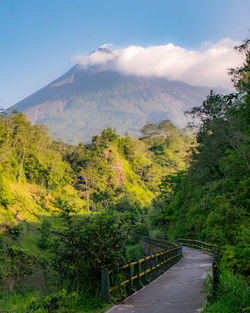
233, 295
26, 152
27, 157
86, 245
16, 265
57, 301
100, 173
5, 192
134, 220
210, 200
102, 193
109, 136
236, 256
170, 145
45, 234
134, 252
51, 303
162, 129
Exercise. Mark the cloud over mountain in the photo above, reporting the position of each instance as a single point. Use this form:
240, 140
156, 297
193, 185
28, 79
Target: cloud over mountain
97, 57
204, 66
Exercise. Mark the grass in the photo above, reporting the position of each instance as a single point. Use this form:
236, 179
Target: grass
33, 203
233, 295
30, 243
57, 302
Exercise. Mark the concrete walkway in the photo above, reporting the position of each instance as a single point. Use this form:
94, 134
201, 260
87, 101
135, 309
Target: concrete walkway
176, 291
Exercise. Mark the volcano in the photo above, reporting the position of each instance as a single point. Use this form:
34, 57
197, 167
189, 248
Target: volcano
86, 99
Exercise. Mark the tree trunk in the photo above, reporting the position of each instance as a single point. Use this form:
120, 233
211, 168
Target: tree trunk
22, 162
87, 198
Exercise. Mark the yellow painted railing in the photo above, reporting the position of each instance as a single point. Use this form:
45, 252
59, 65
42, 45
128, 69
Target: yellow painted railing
134, 275
209, 247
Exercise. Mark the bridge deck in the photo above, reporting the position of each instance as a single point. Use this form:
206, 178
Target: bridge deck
176, 291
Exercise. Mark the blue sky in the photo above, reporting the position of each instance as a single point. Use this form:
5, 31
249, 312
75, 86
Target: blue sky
39, 38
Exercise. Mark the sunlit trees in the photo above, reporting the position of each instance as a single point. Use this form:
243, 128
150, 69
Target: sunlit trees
210, 199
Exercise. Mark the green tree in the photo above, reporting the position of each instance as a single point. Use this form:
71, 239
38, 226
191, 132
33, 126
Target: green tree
87, 245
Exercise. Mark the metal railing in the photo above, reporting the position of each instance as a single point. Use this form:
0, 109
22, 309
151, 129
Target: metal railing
212, 249
151, 245
134, 275
209, 247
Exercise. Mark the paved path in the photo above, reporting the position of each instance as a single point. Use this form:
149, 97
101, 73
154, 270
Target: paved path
176, 291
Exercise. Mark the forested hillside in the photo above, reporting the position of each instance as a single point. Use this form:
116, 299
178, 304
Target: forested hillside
35, 169
66, 211
210, 200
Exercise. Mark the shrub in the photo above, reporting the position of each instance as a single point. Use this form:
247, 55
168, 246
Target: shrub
87, 245
233, 294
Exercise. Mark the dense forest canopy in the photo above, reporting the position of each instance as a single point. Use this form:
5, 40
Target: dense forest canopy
209, 200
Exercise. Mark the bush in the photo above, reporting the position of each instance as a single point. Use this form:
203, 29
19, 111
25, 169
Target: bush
233, 295
45, 235
16, 265
134, 252
87, 245
50, 303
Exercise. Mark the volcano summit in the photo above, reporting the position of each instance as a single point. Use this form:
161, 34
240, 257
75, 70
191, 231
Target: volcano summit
93, 95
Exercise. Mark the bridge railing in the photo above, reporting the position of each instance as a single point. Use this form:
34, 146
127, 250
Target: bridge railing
134, 275
209, 247
151, 245
212, 249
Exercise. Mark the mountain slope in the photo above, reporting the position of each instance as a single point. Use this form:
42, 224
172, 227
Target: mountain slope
83, 101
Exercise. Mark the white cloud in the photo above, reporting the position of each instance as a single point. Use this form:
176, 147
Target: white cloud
107, 45
205, 66
95, 58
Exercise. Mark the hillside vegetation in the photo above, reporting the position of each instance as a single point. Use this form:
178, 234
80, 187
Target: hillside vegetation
210, 200
35, 169
66, 211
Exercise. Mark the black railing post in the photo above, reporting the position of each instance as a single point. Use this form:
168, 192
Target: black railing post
137, 272
147, 275
130, 277
155, 267
156, 263
216, 271
105, 285
167, 265
144, 268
